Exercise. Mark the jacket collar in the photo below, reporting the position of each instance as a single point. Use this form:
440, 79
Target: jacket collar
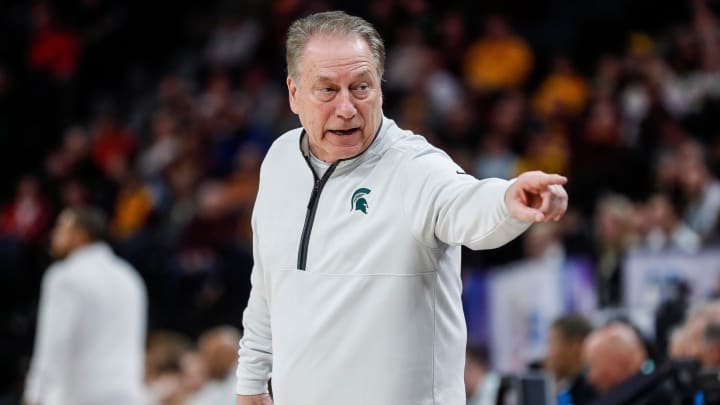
89, 250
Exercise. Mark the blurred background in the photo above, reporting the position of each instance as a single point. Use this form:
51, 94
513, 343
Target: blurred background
160, 113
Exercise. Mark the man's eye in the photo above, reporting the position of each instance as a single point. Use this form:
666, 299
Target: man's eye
326, 90
362, 87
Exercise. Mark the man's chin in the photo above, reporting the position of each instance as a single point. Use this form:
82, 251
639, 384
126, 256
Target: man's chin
349, 150
346, 152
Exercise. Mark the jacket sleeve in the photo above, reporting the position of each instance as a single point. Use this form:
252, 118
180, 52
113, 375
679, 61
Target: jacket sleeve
444, 204
255, 353
58, 315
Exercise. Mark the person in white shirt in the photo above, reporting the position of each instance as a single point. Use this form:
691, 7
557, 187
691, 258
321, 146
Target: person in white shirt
357, 229
89, 348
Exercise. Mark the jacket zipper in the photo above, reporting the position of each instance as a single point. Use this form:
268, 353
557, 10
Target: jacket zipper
310, 216
318, 185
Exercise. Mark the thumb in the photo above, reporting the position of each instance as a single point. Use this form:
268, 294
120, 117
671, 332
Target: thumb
524, 213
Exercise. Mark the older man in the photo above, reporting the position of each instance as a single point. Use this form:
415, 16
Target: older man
613, 354
357, 232
619, 368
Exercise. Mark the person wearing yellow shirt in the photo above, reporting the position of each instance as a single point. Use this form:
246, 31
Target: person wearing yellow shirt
499, 60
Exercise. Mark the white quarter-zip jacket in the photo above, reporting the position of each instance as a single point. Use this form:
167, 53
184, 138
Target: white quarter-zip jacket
90, 342
356, 283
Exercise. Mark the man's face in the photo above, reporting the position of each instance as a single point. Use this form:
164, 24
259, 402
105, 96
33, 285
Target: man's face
337, 96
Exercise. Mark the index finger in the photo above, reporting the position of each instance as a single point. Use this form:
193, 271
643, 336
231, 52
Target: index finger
542, 180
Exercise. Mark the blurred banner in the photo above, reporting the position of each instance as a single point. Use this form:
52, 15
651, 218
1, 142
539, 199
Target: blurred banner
651, 278
510, 308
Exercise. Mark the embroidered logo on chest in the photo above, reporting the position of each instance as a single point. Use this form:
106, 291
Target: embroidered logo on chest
358, 202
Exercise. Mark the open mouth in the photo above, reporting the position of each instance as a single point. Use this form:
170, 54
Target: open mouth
343, 131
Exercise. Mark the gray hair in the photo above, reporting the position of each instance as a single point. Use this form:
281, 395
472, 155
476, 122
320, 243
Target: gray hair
329, 24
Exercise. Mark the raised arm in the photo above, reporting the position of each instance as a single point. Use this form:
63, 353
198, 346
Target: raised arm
444, 204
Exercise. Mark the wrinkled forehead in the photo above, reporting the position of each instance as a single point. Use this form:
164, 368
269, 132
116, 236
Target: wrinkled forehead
337, 51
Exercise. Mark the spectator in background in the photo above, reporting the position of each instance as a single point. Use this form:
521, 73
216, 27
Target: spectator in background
242, 184
564, 359
164, 367
616, 357
26, 218
164, 146
265, 99
701, 191
76, 149
133, 206
563, 92
689, 341
653, 87
54, 50
546, 149
680, 347
710, 349
614, 235
407, 61
696, 54
495, 157
499, 60
453, 39
481, 383
218, 350
234, 40
444, 91
74, 194
91, 321
608, 75
109, 140
177, 384
543, 243
181, 179
669, 233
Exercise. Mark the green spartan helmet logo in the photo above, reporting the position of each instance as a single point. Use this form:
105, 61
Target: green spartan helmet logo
358, 201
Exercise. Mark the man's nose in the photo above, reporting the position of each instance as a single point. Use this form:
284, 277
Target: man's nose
346, 106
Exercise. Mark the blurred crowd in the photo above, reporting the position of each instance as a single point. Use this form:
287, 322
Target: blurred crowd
179, 371
160, 114
615, 362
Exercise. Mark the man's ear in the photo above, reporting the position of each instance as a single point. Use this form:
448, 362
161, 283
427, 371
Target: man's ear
292, 94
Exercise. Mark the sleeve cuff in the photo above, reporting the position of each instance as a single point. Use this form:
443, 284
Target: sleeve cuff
251, 387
